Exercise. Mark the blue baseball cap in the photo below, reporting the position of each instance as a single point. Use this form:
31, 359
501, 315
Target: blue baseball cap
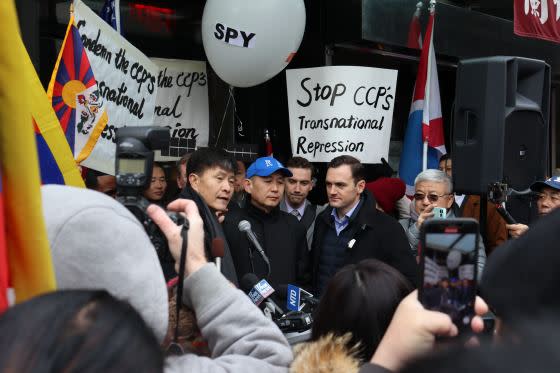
266, 166
553, 182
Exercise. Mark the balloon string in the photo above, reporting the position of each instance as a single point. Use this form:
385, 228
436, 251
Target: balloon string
230, 97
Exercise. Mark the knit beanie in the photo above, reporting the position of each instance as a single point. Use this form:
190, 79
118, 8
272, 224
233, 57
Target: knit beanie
387, 191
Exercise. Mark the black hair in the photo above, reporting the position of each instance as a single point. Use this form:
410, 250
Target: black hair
156, 165
445, 157
207, 158
300, 162
357, 168
90, 178
159, 165
237, 168
182, 161
533, 348
361, 298
77, 331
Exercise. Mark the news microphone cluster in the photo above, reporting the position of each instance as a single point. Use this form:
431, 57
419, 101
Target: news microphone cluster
260, 292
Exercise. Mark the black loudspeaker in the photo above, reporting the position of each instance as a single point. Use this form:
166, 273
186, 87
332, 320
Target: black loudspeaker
500, 129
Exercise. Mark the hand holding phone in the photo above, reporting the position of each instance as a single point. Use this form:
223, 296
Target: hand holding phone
440, 212
425, 215
448, 265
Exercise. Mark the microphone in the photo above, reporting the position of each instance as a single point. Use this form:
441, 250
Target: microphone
218, 245
297, 298
501, 208
260, 293
298, 320
245, 226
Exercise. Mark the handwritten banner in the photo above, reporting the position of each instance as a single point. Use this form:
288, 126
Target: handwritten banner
182, 104
336, 110
126, 78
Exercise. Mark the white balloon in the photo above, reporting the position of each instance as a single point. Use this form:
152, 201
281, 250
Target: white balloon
245, 60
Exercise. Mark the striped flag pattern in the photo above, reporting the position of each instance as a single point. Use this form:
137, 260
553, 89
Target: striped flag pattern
425, 122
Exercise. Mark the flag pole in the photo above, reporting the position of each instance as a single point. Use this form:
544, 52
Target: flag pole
425, 156
428, 87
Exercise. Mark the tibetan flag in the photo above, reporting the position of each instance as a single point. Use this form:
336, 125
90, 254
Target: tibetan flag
29, 261
425, 123
414, 29
56, 161
75, 98
111, 14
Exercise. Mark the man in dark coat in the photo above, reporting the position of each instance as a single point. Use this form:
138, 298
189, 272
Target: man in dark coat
210, 185
352, 229
296, 190
280, 234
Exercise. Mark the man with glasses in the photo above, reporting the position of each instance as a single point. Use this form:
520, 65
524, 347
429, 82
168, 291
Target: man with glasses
548, 199
433, 188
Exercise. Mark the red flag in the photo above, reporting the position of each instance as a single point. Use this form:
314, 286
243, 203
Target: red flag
415, 30
268, 144
537, 19
425, 122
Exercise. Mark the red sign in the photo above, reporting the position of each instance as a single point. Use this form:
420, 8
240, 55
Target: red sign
537, 19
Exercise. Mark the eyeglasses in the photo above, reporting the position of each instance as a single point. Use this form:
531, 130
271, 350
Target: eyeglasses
432, 197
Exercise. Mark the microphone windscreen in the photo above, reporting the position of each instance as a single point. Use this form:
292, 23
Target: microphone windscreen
244, 226
218, 247
248, 281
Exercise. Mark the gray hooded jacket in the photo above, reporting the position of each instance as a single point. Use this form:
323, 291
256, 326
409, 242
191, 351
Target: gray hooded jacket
96, 243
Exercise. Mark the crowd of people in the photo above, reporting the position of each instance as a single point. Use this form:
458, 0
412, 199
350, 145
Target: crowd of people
119, 307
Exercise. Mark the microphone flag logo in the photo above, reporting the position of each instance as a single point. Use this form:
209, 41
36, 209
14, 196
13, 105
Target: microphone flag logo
293, 301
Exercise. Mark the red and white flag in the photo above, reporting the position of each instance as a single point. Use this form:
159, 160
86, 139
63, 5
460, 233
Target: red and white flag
415, 30
424, 141
537, 19
268, 144
432, 121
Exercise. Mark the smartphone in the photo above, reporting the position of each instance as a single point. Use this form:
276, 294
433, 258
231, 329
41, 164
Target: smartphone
448, 264
440, 212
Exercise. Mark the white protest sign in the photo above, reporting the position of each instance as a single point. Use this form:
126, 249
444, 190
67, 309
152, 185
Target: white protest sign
182, 104
336, 110
126, 81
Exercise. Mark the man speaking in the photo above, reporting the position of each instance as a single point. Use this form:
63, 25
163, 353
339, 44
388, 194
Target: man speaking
281, 236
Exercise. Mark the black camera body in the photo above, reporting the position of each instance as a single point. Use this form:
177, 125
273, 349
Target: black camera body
497, 193
295, 321
134, 160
